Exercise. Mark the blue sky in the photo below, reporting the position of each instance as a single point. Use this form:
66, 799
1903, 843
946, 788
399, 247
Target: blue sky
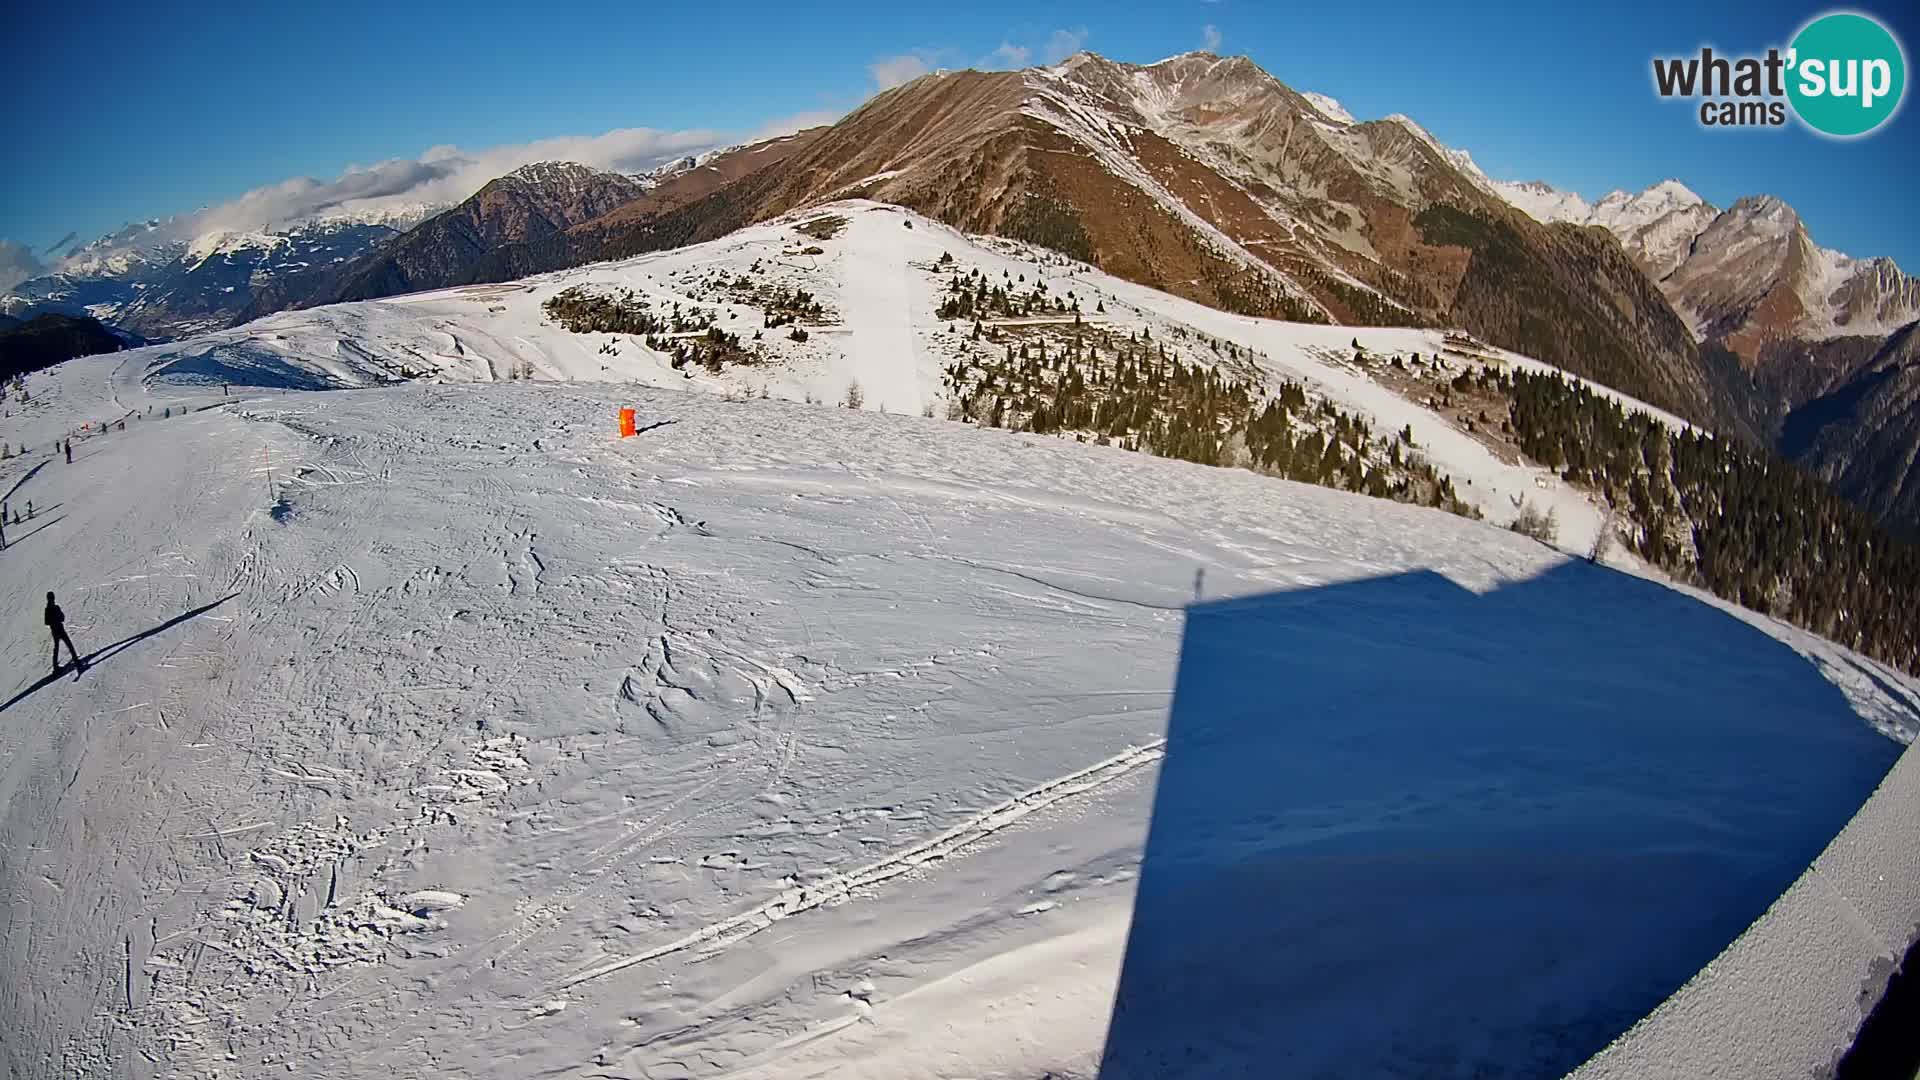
126, 111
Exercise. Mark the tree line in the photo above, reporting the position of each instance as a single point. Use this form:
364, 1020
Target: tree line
1742, 523
1141, 397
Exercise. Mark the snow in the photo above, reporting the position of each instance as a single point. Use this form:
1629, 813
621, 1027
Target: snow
1460, 159
1658, 226
1543, 202
785, 740
225, 241
881, 281
1329, 108
876, 289
1621, 212
1094, 129
1817, 959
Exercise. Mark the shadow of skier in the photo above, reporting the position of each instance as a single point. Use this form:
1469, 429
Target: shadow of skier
40, 524
99, 655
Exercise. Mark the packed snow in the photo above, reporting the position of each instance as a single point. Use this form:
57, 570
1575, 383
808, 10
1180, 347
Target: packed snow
432, 729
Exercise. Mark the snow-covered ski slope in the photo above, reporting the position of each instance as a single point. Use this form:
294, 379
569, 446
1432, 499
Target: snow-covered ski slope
777, 741
881, 281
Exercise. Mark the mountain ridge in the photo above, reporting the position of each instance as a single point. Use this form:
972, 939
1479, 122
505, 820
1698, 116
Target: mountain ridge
1816, 343
1207, 177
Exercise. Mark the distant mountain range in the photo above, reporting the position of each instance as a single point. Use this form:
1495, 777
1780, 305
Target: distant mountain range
1208, 178
150, 284
1818, 345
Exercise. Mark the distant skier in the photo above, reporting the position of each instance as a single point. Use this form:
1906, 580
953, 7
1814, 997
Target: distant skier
69, 451
57, 624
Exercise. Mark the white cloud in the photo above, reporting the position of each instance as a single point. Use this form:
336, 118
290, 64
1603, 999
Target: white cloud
896, 70
800, 121
1210, 38
1009, 55
17, 264
1062, 44
444, 174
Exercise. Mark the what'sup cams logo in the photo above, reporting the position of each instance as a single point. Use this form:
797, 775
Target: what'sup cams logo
1843, 76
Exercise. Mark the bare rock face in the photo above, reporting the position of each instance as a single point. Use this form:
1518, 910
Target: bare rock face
1811, 345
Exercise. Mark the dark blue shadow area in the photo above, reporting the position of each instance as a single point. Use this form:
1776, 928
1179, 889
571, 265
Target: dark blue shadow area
1403, 829
239, 365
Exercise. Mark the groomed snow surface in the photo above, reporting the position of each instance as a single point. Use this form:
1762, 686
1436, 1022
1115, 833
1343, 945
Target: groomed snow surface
792, 741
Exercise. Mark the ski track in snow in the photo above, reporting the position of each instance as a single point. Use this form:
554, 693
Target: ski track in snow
841, 886
509, 748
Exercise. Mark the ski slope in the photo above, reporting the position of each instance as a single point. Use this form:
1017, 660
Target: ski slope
778, 741
881, 281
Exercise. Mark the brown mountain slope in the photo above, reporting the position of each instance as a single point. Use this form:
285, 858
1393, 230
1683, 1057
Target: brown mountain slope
526, 206
1863, 437
1208, 178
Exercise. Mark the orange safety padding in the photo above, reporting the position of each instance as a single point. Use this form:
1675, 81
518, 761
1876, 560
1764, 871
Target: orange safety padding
626, 422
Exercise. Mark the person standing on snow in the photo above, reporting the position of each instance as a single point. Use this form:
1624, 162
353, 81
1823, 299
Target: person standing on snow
57, 624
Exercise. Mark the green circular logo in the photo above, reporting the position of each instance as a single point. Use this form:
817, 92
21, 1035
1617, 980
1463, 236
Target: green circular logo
1847, 74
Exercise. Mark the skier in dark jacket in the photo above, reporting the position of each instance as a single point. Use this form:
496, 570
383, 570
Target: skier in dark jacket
57, 623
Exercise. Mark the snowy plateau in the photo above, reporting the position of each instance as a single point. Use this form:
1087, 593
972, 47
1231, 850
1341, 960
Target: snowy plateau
432, 730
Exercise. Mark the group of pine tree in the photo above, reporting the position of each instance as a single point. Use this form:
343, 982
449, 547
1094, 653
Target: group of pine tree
688, 336
1140, 396
1740, 522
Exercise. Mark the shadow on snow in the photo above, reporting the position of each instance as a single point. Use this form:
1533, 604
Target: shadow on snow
1403, 829
93, 658
16, 538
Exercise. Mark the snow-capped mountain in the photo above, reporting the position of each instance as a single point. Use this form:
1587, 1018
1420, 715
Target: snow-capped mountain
1200, 174
1754, 276
1330, 108
153, 282
569, 190
1656, 226
1823, 341
679, 166
1544, 202
1745, 276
